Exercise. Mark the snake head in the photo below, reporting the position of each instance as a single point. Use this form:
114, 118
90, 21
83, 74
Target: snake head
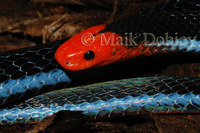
88, 49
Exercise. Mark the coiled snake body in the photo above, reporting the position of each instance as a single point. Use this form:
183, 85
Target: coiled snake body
30, 71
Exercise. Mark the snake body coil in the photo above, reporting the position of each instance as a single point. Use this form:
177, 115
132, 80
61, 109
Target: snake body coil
127, 96
29, 71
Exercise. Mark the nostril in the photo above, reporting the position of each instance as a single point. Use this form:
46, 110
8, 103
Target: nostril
68, 63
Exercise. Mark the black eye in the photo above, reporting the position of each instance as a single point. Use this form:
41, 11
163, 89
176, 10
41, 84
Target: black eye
89, 55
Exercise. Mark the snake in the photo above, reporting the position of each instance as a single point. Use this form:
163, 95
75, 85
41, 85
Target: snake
27, 75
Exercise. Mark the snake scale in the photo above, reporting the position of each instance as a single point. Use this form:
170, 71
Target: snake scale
31, 71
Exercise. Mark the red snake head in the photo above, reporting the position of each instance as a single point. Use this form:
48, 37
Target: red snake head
90, 49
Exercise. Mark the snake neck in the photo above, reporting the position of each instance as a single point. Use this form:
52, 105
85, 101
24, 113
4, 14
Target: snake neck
169, 46
173, 26
125, 52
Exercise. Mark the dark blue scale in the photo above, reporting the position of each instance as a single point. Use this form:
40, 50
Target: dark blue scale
30, 71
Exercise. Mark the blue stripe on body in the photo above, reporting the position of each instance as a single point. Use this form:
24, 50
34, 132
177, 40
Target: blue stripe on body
154, 103
36, 81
